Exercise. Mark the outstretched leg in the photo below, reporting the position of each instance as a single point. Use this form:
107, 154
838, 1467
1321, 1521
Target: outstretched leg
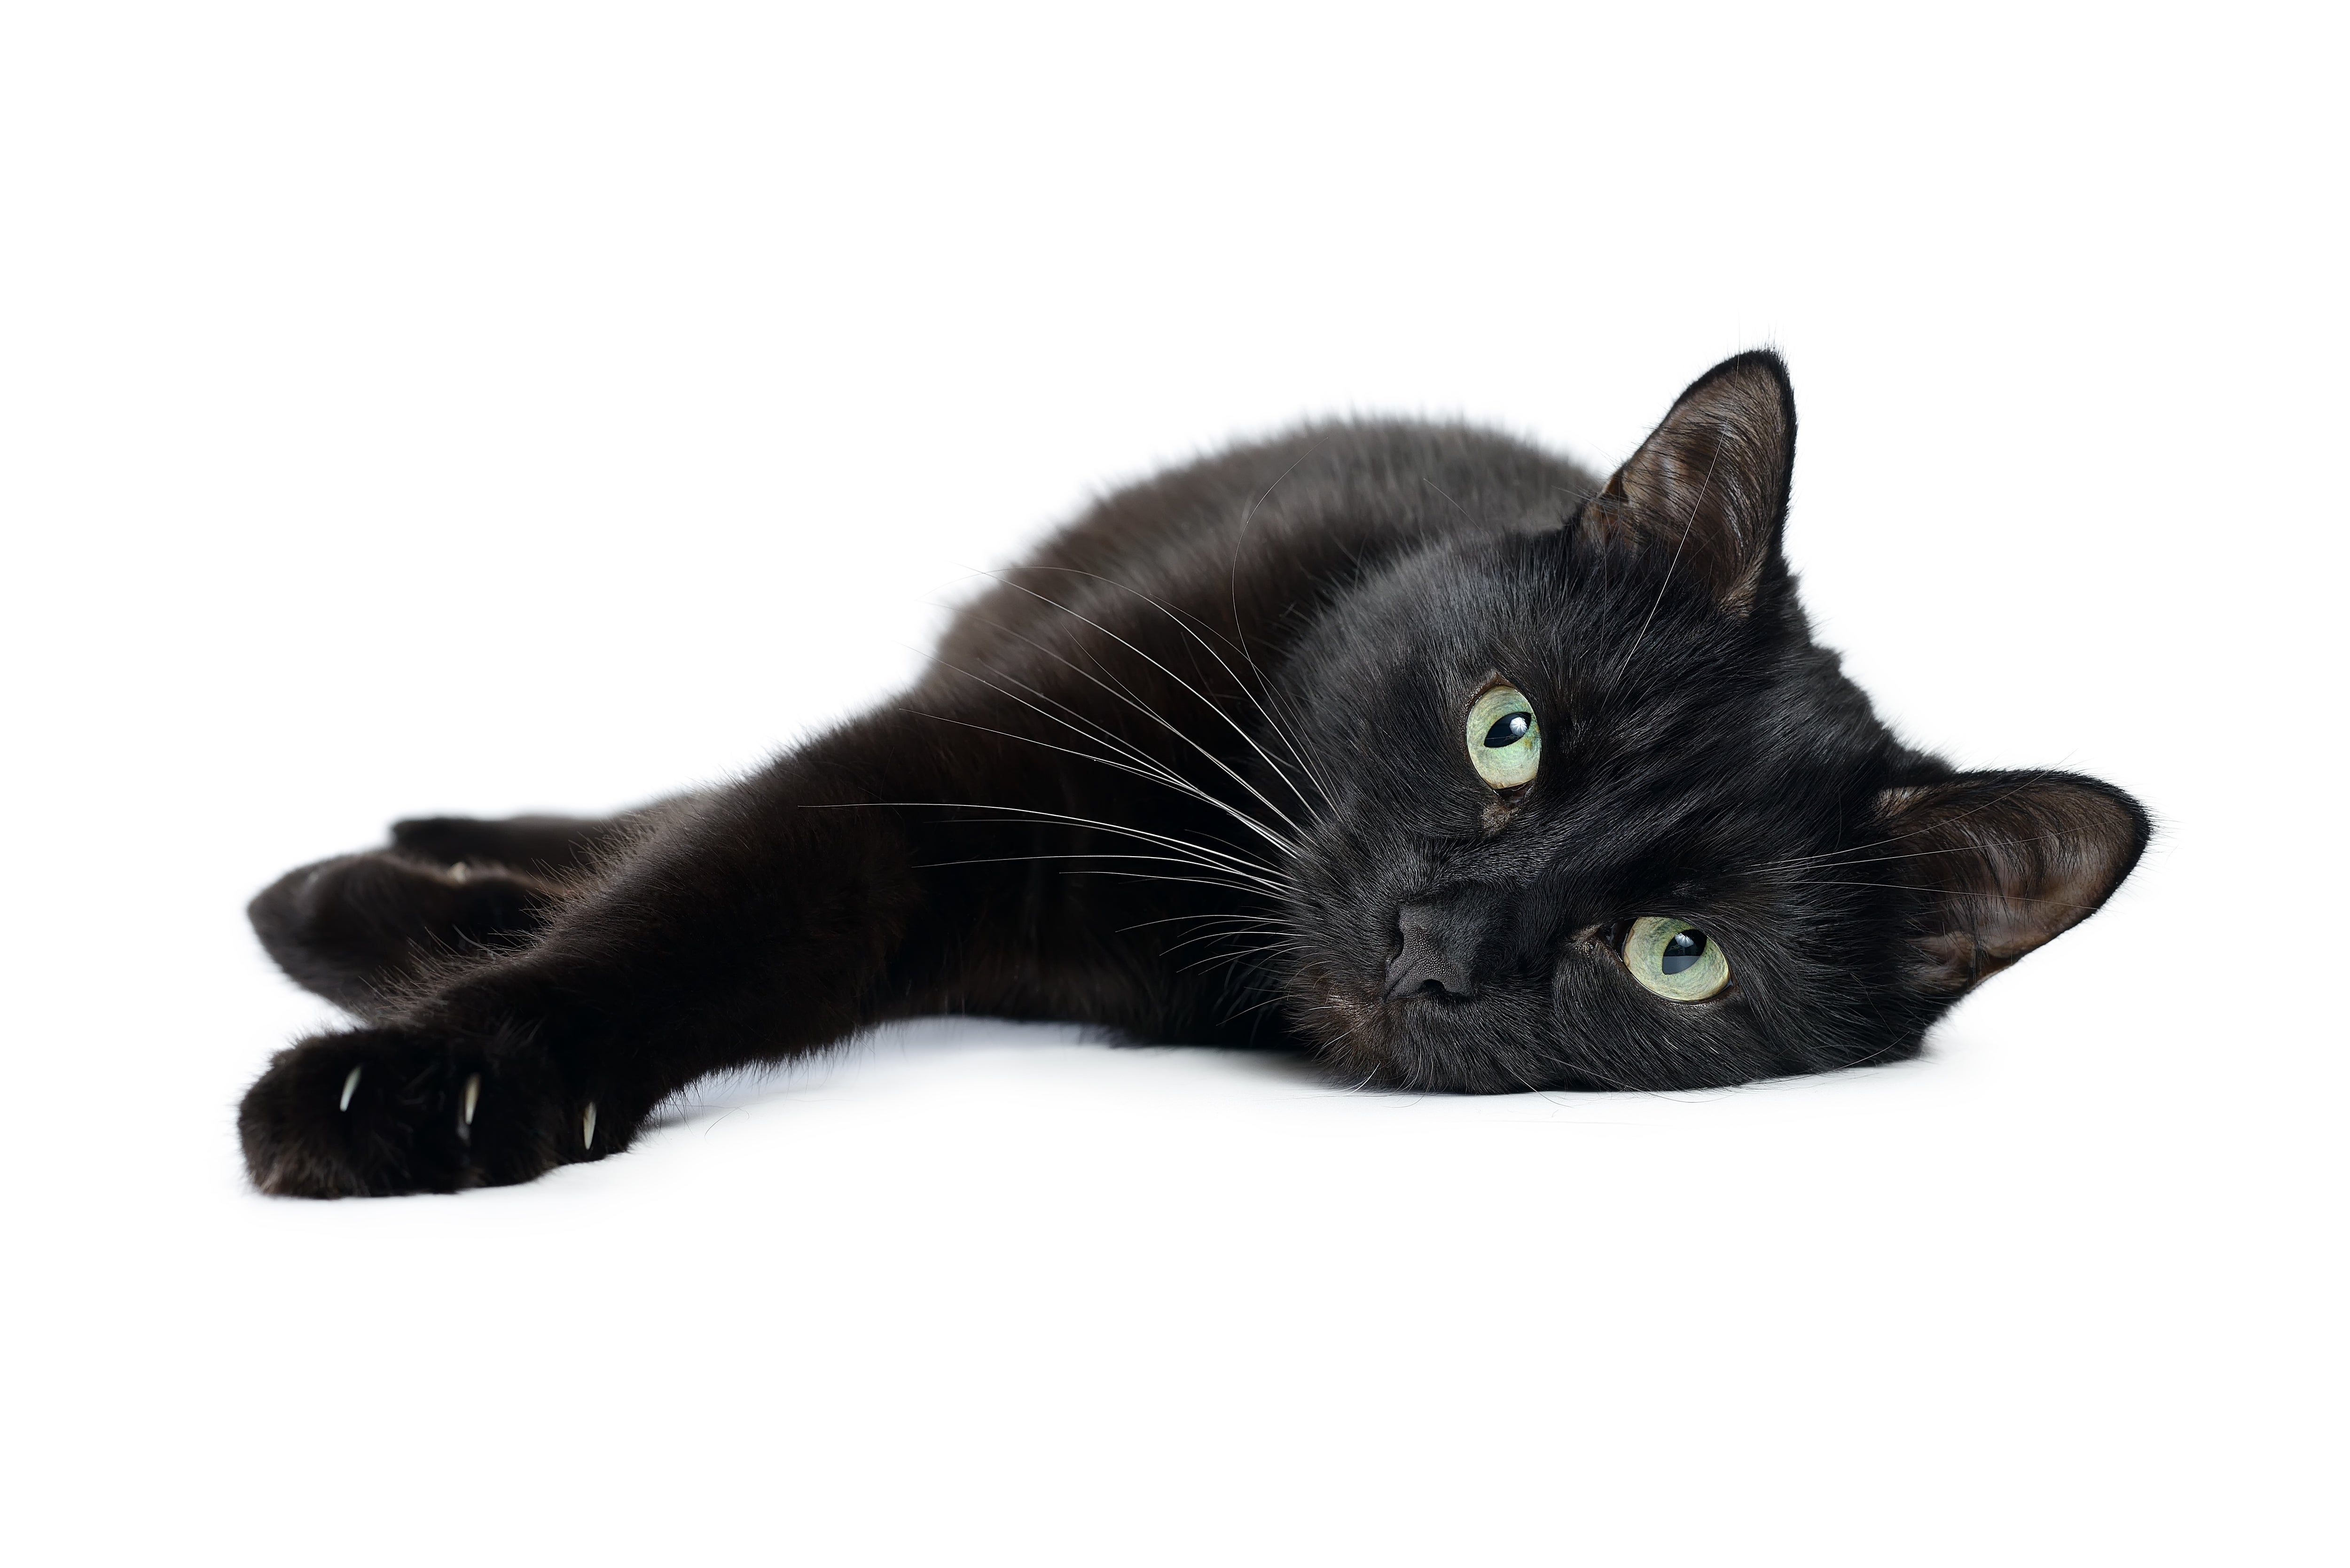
362, 930
539, 844
860, 879
745, 925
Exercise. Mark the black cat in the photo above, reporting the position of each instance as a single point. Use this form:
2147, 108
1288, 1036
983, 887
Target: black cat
1408, 746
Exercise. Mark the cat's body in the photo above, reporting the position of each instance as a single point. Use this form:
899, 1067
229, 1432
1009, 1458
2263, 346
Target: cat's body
1198, 771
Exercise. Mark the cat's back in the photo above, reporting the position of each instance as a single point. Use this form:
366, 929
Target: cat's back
1268, 527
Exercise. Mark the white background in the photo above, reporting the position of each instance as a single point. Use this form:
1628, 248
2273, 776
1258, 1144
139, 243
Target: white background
482, 408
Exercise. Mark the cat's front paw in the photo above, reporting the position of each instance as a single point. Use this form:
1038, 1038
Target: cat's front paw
381, 1111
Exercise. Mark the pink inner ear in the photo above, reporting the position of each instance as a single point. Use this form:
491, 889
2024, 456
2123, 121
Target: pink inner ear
2008, 862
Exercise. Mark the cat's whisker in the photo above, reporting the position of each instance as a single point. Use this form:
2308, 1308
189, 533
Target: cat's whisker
1236, 925
1223, 873
1075, 722
1226, 936
1149, 766
1240, 542
1170, 919
1028, 814
1082, 725
1235, 958
1237, 727
1260, 880
1116, 688
1329, 1042
1147, 877
1153, 773
1280, 730
1236, 1013
1268, 884
1167, 859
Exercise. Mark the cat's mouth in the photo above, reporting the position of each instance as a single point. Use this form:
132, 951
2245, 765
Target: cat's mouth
1372, 1032
1354, 1027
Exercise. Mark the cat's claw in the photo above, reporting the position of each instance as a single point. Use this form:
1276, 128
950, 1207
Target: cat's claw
431, 1120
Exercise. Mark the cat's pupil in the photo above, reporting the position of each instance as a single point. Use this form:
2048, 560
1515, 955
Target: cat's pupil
1684, 949
1509, 731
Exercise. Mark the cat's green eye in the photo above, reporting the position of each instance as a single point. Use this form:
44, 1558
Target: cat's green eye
1504, 742
1675, 960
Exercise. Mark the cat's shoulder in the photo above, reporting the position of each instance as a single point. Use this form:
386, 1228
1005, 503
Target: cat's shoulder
1287, 516
1369, 474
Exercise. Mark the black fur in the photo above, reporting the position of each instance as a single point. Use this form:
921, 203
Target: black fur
1196, 773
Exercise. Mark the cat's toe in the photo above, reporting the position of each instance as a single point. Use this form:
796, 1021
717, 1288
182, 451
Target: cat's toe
382, 1111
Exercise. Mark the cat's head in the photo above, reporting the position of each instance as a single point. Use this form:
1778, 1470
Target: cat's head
1607, 817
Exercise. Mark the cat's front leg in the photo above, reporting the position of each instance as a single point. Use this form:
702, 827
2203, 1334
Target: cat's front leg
764, 920
389, 1110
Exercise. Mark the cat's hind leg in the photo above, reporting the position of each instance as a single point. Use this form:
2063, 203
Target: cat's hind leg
528, 843
360, 930
363, 929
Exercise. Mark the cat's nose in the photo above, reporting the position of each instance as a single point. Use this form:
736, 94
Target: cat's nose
1435, 959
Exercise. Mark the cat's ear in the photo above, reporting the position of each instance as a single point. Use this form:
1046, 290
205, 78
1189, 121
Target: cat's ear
2006, 861
1707, 489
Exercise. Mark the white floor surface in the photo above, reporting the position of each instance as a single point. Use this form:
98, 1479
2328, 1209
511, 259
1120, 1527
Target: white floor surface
487, 409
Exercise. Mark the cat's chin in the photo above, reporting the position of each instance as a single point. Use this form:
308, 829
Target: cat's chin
1420, 1045
1363, 1042
1350, 1033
